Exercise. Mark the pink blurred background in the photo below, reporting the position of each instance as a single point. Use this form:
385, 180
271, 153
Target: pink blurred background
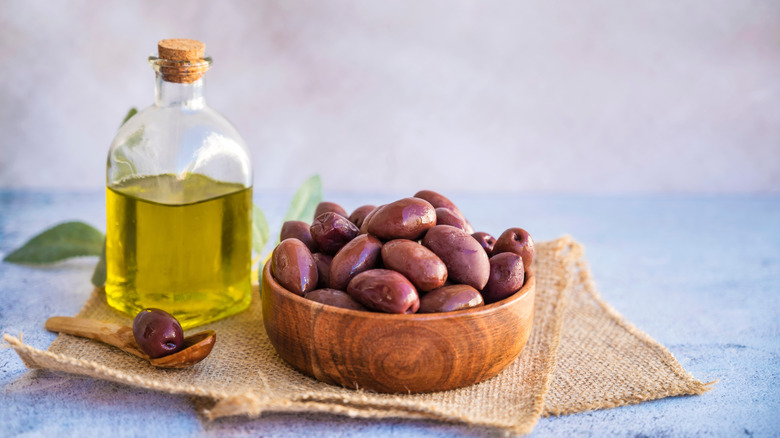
478, 96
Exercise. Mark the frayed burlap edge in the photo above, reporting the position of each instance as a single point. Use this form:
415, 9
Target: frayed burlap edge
34, 358
689, 385
251, 404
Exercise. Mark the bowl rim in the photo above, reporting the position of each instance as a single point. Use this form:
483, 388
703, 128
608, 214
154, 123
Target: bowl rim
528, 285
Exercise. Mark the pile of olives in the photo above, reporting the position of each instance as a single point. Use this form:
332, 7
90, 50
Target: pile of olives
417, 254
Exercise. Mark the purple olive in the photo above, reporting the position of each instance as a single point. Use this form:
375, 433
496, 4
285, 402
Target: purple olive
465, 259
360, 254
417, 263
331, 231
367, 219
157, 332
486, 241
293, 266
445, 216
385, 291
440, 201
325, 207
407, 218
334, 297
359, 215
506, 277
298, 230
450, 298
518, 241
323, 268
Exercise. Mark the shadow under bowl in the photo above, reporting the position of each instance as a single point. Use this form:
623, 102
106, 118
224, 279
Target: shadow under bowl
416, 353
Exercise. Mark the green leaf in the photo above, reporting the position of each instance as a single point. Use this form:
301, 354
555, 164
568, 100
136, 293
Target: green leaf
260, 232
70, 239
99, 274
129, 115
305, 201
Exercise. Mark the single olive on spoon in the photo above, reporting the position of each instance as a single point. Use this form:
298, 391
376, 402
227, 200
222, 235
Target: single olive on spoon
195, 348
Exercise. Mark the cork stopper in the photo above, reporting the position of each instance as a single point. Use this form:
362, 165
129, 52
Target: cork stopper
181, 60
181, 49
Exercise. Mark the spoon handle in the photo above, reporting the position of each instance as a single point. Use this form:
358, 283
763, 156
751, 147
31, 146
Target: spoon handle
119, 336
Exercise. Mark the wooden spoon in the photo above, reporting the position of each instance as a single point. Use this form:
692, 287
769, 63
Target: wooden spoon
195, 349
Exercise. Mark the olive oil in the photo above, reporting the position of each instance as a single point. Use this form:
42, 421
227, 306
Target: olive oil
179, 244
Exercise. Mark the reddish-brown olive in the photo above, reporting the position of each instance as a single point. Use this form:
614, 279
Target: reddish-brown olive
293, 266
450, 298
367, 219
419, 264
157, 332
407, 218
466, 261
331, 231
298, 230
486, 241
445, 216
360, 254
440, 201
325, 207
323, 262
506, 277
359, 215
518, 241
333, 297
385, 291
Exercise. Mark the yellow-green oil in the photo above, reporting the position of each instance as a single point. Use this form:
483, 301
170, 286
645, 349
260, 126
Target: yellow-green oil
179, 244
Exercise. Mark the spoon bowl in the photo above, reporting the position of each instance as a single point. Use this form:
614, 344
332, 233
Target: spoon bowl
196, 347
194, 350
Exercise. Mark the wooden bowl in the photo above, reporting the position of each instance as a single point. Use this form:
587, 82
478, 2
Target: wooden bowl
396, 353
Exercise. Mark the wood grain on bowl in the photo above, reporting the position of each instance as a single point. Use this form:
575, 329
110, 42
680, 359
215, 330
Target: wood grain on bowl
396, 353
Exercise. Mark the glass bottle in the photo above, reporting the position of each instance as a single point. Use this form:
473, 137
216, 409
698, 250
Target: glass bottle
178, 200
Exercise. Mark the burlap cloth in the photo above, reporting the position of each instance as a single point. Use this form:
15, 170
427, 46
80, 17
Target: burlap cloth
581, 355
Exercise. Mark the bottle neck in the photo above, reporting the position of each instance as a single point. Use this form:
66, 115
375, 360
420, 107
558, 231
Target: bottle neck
185, 95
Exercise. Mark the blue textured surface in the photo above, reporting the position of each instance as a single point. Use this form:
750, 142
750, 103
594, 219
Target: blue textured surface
699, 274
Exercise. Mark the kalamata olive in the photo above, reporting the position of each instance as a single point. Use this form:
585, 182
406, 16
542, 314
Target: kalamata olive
486, 241
360, 254
440, 201
407, 218
506, 277
450, 298
385, 291
466, 261
298, 230
324, 207
367, 219
293, 266
445, 216
157, 332
417, 263
323, 268
360, 214
518, 241
333, 297
331, 231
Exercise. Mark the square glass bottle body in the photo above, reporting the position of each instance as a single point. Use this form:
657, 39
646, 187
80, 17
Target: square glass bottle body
189, 255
